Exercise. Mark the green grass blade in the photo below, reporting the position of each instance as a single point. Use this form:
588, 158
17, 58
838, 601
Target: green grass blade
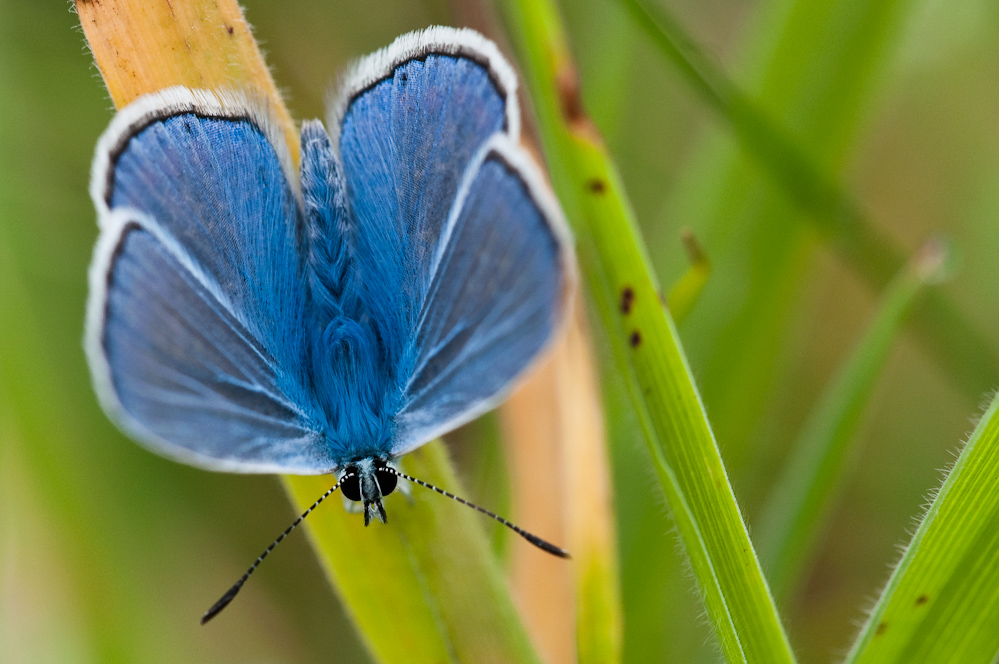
952, 339
812, 64
647, 349
796, 509
942, 601
424, 587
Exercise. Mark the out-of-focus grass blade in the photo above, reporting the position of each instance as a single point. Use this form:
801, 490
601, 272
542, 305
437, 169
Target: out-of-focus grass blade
589, 515
955, 343
942, 602
646, 347
27, 384
684, 293
797, 507
425, 588
813, 65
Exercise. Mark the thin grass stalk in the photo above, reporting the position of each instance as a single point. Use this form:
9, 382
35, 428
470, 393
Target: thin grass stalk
646, 347
799, 503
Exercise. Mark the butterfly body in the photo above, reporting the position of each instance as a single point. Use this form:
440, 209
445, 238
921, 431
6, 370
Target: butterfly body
248, 316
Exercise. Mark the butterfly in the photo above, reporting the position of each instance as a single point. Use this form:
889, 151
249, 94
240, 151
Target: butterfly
245, 317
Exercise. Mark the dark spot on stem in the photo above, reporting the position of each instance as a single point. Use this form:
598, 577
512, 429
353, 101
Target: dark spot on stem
627, 299
567, 84
635, 339
597, 186
922, 599
882, 628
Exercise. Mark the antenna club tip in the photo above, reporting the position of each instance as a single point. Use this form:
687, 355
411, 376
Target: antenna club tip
221, 604
556, 551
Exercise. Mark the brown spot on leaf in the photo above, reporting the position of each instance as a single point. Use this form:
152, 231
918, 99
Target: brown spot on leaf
635, 339
571, 103
922, 599
627, 299
597, 186
567, 81
229, 29
882, 628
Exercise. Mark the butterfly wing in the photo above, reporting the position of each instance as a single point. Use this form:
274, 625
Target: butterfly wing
499, 293
197, 299
459, 244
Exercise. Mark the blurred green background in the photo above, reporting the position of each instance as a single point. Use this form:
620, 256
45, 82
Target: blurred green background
109, 553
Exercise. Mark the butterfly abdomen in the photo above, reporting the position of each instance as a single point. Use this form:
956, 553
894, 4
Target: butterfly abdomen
351, 385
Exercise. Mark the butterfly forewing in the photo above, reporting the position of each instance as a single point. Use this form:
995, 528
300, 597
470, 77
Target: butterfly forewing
195, 330
406, 137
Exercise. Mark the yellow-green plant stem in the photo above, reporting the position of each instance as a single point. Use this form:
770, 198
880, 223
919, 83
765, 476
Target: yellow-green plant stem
681, 444
424, 587
956, 344
942, 602
796, 509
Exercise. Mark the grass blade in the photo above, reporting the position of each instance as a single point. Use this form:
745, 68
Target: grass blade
580, 604
426, 588
796, 509
647, 349
588, 511
952, 339
942, 601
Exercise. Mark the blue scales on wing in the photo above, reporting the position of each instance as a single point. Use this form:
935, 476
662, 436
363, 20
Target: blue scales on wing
462, 267
198, 302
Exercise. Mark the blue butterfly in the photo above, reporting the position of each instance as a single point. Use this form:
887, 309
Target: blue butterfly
245, 318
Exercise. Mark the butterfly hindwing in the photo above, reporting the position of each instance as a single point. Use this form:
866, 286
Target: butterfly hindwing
499, 294
179, 371
197, 310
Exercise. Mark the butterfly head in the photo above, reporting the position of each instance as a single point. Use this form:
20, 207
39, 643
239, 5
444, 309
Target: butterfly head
367, 481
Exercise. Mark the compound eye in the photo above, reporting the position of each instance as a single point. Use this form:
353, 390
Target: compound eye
350, 485
386, 481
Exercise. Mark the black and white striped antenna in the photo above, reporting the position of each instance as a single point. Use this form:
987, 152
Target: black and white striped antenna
236, 587
530, 537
